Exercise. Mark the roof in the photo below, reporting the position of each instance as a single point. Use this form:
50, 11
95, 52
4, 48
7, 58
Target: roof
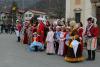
37, 12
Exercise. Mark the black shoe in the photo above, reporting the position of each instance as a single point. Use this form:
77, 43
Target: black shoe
18, 39
93, 55
92, 59
88, 59
89, 55
48, 53
36, 48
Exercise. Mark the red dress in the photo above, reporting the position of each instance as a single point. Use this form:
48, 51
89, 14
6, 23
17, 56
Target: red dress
40, 30
65, 46
80, 32
25, 41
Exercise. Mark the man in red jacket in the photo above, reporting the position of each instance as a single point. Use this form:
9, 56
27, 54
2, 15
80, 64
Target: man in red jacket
91, 35
18, 29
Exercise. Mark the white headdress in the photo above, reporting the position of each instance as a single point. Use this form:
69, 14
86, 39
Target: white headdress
39, 18
42, 18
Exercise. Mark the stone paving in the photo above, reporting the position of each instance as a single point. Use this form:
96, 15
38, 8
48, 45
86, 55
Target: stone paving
13, 54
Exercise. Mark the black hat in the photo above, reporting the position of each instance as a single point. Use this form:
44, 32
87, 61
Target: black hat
90, 19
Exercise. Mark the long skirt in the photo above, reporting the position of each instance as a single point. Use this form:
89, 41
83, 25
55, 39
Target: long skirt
36, 44
65, 50
61, 48
25, 41
50, 48
70, 57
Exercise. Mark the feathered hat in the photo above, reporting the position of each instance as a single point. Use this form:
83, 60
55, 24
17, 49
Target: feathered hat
72, 23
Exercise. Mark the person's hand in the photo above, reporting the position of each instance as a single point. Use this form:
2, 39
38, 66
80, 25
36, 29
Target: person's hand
85, 36
80, 38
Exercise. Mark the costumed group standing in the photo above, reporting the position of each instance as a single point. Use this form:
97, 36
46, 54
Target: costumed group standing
62, 40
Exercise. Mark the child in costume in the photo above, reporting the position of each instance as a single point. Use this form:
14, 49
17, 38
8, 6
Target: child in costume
57, 38
50, 42
62, 41
35, 45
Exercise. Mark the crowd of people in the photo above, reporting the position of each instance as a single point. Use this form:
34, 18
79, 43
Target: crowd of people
7, 28
63, 40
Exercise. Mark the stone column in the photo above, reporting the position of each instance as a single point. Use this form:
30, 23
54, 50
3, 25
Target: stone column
87, 11
67, 14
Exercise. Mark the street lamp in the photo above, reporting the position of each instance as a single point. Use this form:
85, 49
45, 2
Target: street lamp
14, 10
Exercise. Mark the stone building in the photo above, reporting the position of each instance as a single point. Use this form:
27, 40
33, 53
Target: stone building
80, 10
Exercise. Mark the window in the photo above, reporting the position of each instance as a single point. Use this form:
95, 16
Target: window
77, 17
30, 15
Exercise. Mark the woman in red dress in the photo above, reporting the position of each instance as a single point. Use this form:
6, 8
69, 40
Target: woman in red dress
25, 39
65, 46
80, 33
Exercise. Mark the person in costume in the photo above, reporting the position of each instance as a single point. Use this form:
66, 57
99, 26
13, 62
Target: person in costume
41, 29
25, 38
91, 35
29, 32
18, 30
35, 45
57, 38
80, 33
67, 37
50, 42
73, 51
46, 31
34, 27
62, 41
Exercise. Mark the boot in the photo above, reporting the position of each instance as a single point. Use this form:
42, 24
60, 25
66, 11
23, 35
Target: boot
18, 39
36, 48
93, 55
89, 55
